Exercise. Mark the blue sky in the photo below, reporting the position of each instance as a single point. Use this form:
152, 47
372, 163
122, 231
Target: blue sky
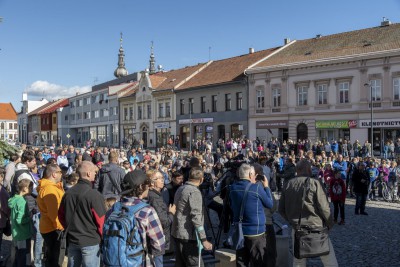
55, 48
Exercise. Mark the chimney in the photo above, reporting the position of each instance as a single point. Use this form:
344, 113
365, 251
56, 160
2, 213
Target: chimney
251, 50
385, 22
286, 41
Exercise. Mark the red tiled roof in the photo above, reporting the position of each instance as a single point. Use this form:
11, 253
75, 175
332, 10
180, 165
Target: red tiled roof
226, 70
129, 90
173, 78
7, 112
36, 111
338, 45
54, 106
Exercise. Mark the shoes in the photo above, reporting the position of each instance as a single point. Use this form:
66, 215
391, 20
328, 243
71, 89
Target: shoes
364, 213
341, 222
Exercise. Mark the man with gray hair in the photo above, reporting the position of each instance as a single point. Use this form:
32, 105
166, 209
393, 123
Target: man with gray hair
258, 197
315, 212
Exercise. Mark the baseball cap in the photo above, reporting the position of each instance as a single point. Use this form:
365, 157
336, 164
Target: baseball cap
132, 180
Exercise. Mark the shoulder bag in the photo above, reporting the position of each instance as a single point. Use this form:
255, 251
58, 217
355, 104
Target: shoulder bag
235, 235
310, 242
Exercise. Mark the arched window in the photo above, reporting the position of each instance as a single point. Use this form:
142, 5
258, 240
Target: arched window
302, 131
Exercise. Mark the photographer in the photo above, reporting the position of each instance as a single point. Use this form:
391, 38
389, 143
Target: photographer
259, 196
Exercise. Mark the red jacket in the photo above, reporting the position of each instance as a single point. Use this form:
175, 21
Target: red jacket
337, 190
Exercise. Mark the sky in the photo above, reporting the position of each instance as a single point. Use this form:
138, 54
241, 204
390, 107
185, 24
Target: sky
56, 48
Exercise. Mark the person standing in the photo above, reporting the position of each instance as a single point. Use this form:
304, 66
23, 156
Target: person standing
82, 211
338, 196
188, 223
361, 183
4, 209
258, 198
50, 193
111, 176
316, 211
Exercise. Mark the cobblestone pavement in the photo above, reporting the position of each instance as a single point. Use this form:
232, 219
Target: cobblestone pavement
364, 241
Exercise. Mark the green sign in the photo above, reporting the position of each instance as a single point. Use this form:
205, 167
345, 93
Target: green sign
340, 124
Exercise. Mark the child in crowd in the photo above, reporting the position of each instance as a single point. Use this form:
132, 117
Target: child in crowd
21, 221
338, 196
71, 180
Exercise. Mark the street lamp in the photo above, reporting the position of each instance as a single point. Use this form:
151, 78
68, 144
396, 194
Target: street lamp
372, 116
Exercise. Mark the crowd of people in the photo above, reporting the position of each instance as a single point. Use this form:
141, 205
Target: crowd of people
57, 194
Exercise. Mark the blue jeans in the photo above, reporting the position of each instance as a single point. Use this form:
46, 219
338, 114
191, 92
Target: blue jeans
86, 256
38, 239
158, 261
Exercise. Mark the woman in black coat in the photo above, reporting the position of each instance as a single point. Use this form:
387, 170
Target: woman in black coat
360, 188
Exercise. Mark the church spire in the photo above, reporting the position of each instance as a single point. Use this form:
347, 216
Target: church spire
120, 71
152, 61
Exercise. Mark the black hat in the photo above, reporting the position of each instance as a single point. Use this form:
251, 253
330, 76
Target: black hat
132, 180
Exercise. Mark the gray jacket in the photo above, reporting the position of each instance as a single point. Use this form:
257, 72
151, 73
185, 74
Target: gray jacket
189, 214
316, 211
104, 183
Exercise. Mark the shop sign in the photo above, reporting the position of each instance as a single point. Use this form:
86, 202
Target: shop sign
209, 129
382, 123
336, 124
272, 124
199, 120
161, 125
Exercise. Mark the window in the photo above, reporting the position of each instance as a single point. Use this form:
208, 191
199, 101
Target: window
86, 115
203, 104
344, 88
66, 117
260, 98
97, 113
182, 106
191, 102
139, 115
214, 103
276, 97
160, 110
302, 94
105, 112
2, 126
376, 90
105, 96
322, 94
15, 126
149, 111
54, 120
228, 102
72, 117
126, 114
167, 110
396, 88
131, 113
86, 101
79, 117
80, 103
10, 126
72, 104
115, 111
239, 101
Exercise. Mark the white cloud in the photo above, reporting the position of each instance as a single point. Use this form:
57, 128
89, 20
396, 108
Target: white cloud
50, 91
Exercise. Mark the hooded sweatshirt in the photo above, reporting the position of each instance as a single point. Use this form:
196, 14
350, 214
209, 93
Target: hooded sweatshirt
20, 218
48, 200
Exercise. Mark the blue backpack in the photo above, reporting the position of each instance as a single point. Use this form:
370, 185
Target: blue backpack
122, 243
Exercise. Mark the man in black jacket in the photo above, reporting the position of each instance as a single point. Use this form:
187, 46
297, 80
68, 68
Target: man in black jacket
176, 182
360, 188
111, 176
82, 210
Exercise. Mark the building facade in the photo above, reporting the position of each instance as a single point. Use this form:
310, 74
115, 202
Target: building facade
8, 123
330, 88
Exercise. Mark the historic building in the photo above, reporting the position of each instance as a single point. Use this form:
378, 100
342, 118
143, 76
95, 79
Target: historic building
322, 88
8, 123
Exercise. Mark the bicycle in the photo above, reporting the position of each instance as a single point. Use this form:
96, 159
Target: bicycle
386, 192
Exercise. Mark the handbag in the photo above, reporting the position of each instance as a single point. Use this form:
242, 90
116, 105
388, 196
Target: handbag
62, 235
235, 236
310, 242
7, 228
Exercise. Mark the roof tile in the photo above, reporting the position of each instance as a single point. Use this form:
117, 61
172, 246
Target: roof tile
7, 112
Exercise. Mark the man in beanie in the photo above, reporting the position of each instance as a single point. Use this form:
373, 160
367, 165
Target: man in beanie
136, 188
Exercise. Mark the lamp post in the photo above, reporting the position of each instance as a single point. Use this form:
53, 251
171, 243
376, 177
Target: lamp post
372, 116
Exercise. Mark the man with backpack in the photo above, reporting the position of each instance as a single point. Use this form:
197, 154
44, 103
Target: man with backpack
111, 176
132, 231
